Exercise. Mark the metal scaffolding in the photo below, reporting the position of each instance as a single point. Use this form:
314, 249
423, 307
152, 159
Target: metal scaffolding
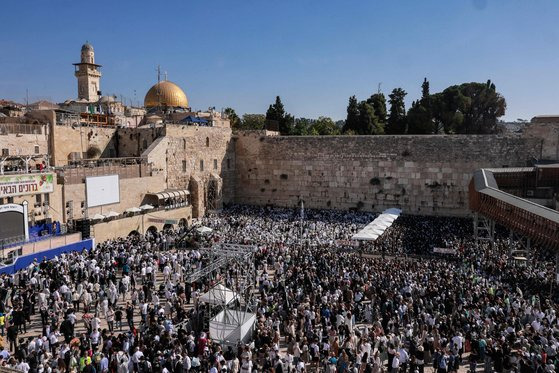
230, 268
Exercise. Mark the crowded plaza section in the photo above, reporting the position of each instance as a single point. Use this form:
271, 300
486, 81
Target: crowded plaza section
321, 304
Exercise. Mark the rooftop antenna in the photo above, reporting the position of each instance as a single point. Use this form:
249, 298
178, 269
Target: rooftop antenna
26, 98
378, 89
165, 75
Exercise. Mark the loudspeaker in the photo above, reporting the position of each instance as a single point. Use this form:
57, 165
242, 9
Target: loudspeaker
83, 226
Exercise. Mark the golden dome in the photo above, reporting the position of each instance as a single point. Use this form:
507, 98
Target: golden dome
165, 93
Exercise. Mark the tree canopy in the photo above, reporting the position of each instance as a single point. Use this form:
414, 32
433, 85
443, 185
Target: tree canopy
468, 108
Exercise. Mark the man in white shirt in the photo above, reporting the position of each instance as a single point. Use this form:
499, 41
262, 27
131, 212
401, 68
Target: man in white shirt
396, 363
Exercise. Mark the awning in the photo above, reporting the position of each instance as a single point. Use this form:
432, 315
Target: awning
171, 194
376, 228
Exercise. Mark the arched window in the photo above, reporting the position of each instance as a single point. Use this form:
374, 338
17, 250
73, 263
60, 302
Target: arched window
207, 142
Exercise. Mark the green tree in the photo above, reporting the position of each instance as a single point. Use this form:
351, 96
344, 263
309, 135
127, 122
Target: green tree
234, 119
368, 122
469, 108
486, 105
276, 115
378, 102
253, 122
419, 119
352, 120
324, 126
302, 127
396, 123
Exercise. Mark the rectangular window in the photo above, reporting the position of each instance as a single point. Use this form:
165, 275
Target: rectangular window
38, 199
228, 164
183, 166
37, 150
10, 199
215, 164
201, 165
47, 198
5, 152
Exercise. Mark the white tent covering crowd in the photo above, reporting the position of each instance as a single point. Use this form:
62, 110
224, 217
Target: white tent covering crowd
378, 226
127, 306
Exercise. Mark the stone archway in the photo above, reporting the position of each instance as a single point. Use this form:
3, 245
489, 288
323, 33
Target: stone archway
133, 233
167, 227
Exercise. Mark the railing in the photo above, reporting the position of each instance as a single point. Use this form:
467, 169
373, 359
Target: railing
76, 171
522, 216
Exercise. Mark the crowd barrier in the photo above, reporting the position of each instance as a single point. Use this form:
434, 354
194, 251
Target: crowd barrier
25, 260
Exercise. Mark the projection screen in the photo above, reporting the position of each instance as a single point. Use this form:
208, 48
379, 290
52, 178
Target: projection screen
102, 190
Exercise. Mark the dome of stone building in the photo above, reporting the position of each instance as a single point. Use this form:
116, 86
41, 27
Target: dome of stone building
87, 47
167, 94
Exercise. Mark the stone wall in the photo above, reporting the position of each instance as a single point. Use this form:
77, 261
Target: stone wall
132, 142
132, 194
200, 153
68, 140
420, 174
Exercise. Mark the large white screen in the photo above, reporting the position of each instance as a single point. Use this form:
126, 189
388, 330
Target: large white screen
102, 190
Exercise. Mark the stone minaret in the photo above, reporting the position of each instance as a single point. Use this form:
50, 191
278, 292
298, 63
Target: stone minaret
88, 74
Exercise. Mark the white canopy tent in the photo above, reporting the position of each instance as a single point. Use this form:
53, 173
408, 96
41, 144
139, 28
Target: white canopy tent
98, 217
219, 295
146, 207
378, 226
231, 326
112, 214
204, 230
133, 210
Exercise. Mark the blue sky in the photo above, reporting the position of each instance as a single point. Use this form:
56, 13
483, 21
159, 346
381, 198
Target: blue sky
314, 54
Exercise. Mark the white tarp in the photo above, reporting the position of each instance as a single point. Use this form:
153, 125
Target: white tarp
377, 227
204, 230
231, 326
219, 295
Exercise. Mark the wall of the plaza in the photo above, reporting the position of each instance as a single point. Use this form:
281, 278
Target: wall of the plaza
132, 194
139, 223
420, 174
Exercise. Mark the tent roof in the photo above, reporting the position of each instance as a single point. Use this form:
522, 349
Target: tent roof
219, 294
376, 228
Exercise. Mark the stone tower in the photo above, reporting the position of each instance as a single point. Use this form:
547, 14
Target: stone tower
88, 74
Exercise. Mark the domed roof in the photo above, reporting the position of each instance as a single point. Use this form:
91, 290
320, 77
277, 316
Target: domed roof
165, 93
87, 47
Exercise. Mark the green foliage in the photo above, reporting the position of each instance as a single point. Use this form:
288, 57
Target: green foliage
469, 108
324, 126
233, 118
352, 119
361, 119
419, 119
276, 115
378, 102
253, 122
396, 123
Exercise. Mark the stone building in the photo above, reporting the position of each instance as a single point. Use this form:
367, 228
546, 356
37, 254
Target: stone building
88, 74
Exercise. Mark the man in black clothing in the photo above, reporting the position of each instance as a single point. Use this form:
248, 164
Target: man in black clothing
12, 336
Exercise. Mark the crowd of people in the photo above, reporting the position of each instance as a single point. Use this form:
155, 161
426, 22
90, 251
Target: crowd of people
321, 303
